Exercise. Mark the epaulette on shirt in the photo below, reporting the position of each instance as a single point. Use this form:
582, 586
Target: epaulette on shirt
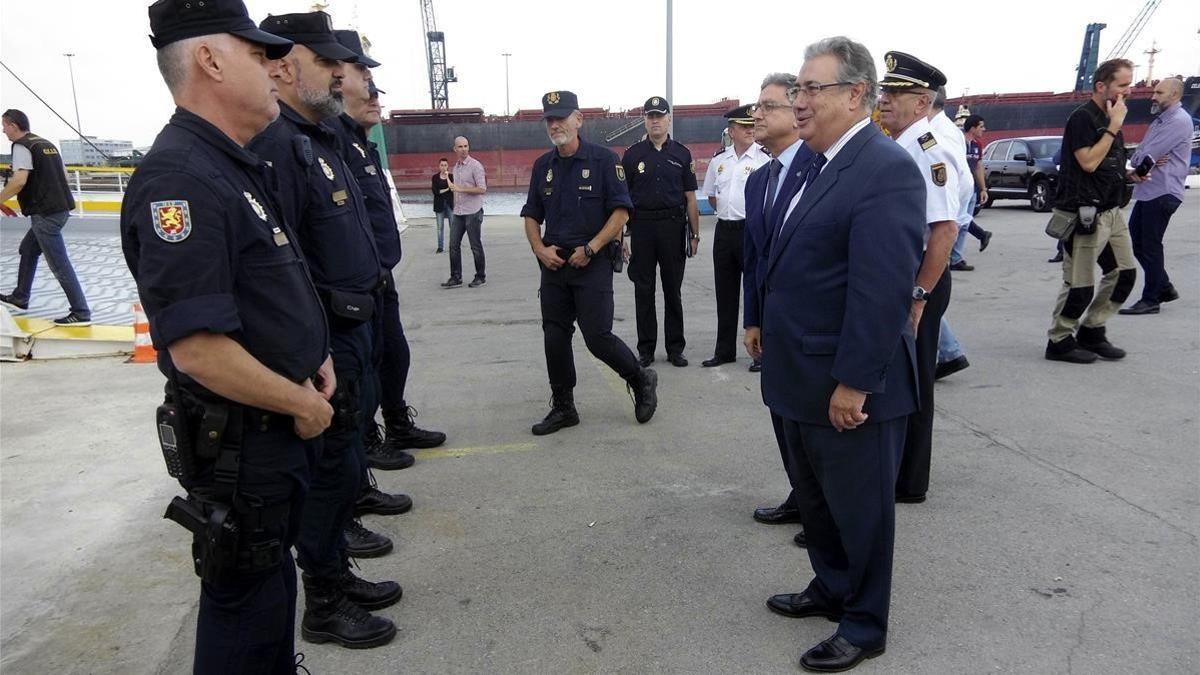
927, 140
719, 151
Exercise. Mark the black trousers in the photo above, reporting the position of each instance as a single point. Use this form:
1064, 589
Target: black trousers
918, 444
1147, 225
395, 359
658, 243
584, 295
727, 278
843, 486
247, 624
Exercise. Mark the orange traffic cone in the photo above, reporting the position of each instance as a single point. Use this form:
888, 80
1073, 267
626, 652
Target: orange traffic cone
143, 348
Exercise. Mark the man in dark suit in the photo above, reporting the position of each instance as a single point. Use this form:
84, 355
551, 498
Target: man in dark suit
769, 188
838, 356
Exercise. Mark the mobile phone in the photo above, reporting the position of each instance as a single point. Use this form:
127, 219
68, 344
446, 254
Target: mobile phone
1144, 167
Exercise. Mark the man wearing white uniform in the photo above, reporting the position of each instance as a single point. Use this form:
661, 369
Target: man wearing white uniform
725, 187
908, 90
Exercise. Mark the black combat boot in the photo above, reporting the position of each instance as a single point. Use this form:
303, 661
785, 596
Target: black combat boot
562, 412
374, 500
644, 388
363, 543
1067, 349
330, 616
382, 456
1093, 340
369, 595
403, 433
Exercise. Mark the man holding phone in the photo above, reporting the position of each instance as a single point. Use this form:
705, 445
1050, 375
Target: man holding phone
1091, 191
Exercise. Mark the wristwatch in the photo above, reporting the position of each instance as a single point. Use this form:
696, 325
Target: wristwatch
587, 251
920, 294
696, 237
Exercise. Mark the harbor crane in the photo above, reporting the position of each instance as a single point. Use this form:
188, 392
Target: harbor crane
440, 76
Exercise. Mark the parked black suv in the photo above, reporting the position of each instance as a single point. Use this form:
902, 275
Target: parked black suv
1022, 168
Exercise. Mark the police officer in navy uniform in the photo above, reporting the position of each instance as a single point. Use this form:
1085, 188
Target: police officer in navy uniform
578, 191
324, 201
664, 228
239, 329
360, 99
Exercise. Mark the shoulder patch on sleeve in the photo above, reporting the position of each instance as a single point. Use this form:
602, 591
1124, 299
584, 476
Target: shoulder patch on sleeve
172, 220
927, 140
620, 173
939, 173
692, 166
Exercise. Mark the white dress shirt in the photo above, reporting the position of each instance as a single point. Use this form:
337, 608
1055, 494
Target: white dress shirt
726, 180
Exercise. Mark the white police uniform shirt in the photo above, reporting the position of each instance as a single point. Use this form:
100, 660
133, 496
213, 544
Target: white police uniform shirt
936, 162
948, 132
726, 179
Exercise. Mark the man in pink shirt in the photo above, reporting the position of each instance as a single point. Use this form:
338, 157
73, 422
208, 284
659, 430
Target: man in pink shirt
468, 186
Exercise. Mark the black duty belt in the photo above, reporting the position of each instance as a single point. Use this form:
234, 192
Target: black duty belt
735, 224
659, 214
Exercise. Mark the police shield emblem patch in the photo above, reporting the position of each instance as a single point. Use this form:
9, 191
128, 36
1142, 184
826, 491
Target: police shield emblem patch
325, 168
939, 174
172, 220
641, 167
620, 173
586, 172
552, 97
549, 175
890, 63
258, 209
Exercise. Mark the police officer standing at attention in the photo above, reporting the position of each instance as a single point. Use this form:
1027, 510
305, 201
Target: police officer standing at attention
578, 190
360, 98
907, 92
725, 187
323, 199
240, 333
664, 229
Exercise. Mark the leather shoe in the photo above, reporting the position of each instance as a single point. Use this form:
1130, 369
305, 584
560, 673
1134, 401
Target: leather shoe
1140, 307
363, 543
777, 515
756, 367
1068, 350
372, 500
370, 595
800, 606
1057, 258
948, 368
835, 655
715, 361
910, 499
677, 360
645, 360
1169, 294
800, 539
1094, 340
962, 266
985, 240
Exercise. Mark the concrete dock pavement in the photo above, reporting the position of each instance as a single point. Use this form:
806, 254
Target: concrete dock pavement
1060, 535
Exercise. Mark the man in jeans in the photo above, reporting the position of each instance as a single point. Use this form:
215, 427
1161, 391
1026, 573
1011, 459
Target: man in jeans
468, 187
39, 183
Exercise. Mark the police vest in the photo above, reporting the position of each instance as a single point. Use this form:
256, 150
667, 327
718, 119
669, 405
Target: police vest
46, 191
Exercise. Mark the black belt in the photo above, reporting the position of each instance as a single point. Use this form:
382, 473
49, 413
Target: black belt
735, 224
659, 214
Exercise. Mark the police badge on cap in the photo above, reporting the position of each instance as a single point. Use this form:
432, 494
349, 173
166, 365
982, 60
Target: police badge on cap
740, 115
559, 104
905, 71
656, 104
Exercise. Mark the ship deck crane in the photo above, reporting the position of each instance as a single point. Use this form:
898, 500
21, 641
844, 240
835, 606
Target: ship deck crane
1134, 30
1089, 55
440, 76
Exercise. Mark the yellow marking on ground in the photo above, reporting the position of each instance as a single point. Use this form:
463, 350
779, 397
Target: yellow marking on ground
477, 450
615, 383
44, 329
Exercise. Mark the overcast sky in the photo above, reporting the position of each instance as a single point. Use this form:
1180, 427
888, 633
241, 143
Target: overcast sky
611, 54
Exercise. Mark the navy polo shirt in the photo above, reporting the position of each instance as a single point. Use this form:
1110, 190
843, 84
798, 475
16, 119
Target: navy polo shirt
204, 238
658, 178
322, 199
362, 157
575, 195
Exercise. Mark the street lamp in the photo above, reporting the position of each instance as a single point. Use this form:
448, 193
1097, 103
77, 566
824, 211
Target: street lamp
78, 124
506, 109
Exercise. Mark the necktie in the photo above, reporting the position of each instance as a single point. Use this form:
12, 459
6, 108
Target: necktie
772, 186
810, 174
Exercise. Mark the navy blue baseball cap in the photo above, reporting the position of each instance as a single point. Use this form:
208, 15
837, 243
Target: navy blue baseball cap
351, 40
311, 29
175, 20
559, 104
656, 104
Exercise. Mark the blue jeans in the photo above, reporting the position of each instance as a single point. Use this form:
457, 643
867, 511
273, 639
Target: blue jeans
956, 253
948, 347
443, 216
45, 237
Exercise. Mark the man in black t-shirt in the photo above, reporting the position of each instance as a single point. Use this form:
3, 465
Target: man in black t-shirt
1092, 186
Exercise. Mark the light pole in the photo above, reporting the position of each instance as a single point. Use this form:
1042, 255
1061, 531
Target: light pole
506, 109
670, 56
78, 124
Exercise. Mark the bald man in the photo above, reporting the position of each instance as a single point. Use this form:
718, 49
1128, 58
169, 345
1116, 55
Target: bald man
468, 187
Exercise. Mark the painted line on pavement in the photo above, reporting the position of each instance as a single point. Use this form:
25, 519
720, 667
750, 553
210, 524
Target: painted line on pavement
477, 450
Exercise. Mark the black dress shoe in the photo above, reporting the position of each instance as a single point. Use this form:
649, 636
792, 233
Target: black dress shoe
800, 539
835, 655
677, 360
800, 606
756, 367
948, 368
777, 515
1057, 258
645, 360
1140, 307
985, 240
715, 361
910, 499
1168, 294
962, 266
452, 282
